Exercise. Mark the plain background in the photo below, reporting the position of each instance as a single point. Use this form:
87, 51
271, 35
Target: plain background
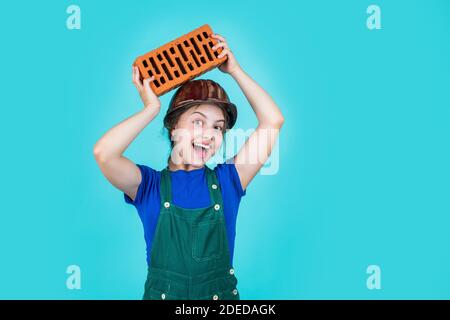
364, 153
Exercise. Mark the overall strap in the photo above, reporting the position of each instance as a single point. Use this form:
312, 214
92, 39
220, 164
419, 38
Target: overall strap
214, 188
165, 186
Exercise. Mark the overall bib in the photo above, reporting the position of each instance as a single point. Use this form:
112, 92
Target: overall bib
190, 257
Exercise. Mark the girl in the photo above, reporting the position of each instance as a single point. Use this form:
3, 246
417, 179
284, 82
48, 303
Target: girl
189, 210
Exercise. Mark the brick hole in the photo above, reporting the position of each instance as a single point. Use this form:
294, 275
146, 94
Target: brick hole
150, 73
186, 43
152, 61
183, 54
168, 58
172, 50
199, 37
176, 73
195, 58
197, 49
145, 63
180, 65
190, 66
203, 60
205, 34
162, 80
159, 57
205, 47
156, 83
167, 72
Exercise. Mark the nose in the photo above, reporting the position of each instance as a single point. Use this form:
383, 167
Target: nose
207, 137
208, 134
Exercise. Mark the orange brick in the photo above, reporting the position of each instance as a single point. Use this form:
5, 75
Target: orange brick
180, 60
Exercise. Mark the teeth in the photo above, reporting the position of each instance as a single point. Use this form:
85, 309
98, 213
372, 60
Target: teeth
201, 145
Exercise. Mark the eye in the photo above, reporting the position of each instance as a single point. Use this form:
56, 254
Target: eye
219, 128
197, 122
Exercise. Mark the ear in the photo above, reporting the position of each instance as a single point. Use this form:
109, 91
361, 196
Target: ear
173, 134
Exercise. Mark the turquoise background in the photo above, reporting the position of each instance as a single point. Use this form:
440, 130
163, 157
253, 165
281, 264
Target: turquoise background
364, 152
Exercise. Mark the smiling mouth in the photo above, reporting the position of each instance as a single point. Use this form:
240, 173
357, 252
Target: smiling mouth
201, 149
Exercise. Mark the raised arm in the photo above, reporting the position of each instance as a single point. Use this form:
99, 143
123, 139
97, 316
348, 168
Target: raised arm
258, 147
108, 150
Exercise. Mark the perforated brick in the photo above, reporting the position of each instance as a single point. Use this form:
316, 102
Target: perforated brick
180, 60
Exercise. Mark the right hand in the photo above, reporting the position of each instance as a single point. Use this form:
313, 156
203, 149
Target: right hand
149, 98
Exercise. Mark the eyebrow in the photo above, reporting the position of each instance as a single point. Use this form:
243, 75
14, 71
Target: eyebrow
206, 116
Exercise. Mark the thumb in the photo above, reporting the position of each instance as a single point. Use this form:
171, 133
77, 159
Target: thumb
147, 81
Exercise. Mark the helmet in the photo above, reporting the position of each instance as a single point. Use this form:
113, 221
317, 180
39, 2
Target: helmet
201, 91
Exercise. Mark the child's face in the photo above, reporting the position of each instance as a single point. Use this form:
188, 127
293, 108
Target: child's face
198, 135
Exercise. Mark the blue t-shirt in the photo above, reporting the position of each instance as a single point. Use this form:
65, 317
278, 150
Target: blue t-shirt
189, 190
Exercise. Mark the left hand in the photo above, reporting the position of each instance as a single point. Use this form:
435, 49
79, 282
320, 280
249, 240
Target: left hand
230, 65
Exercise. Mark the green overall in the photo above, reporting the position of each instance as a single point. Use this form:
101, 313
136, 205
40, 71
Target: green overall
190, 258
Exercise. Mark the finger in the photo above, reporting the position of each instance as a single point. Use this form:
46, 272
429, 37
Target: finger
136, 74
217, 36
220, 44
147, 83
134, 68
136, 80
133, 78
224, 52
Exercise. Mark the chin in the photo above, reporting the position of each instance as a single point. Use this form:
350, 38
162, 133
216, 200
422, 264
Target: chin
199, 162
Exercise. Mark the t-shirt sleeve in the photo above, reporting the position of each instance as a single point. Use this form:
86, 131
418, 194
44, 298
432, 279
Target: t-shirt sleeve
228, 170
147, 184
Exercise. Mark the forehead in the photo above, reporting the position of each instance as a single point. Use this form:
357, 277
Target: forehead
210, 111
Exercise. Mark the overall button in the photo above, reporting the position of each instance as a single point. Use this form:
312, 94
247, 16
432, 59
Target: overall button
166, 204
215, 297
235, 291
163, 296
216, 207
231, 271
214, 186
